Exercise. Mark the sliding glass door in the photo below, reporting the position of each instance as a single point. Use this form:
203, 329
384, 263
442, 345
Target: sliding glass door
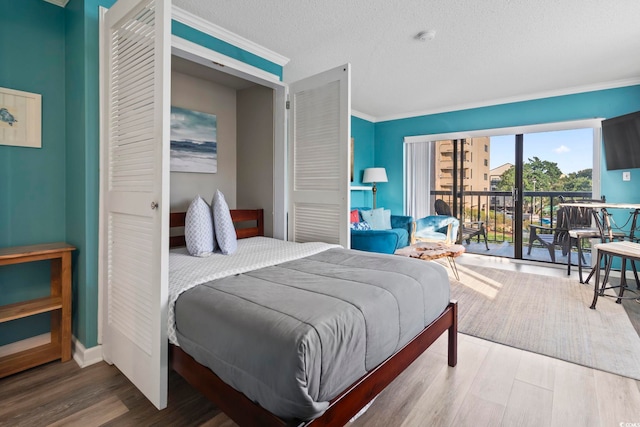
556, 166
512, 185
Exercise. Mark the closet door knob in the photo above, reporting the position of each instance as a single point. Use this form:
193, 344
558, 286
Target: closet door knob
154, 205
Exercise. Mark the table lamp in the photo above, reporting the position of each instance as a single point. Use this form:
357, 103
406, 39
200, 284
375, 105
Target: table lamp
373, 175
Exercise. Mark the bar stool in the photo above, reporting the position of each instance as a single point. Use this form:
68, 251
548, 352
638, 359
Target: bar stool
624, 250
609, 235
579, 235
580, 220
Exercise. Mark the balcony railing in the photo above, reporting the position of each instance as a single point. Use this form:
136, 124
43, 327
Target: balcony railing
495, 209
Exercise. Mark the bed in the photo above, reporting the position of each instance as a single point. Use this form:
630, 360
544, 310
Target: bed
308, 338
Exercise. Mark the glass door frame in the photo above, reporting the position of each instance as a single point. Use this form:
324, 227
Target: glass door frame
519, 132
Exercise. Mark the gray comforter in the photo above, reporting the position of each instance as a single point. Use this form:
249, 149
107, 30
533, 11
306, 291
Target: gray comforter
293, 336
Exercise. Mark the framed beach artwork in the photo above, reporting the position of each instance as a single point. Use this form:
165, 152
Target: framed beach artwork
20, 118
194, 141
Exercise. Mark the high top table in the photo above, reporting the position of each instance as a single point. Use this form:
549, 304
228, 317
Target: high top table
604, 206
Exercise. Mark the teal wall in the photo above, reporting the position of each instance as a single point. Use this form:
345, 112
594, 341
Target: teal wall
32, 180
82, 174
363, 133
53, 192
181, 30
598, 104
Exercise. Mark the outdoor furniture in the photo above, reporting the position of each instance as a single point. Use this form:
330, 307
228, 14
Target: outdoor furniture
432, 250
549, 238
626, 251
573, 224
468, 229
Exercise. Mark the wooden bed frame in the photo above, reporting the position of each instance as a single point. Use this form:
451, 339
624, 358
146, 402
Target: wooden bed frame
341, 409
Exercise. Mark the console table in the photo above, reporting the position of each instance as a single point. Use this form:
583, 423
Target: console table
58, 303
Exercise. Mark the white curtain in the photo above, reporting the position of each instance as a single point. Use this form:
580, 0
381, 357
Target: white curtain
417, 178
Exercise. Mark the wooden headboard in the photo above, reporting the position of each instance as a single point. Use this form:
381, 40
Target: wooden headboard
254, 216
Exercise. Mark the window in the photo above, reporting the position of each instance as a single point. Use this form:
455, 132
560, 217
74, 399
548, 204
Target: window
485, 177
486, 162
486, 148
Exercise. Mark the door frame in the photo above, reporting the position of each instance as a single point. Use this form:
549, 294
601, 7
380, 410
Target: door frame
219, 62
595, 124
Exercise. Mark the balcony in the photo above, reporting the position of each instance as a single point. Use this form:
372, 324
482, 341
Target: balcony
495, 209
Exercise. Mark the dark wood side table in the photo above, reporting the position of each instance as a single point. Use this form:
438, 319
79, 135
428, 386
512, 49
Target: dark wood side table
58, 303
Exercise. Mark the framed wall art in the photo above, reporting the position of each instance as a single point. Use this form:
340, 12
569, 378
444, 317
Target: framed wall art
194, 141
20, 118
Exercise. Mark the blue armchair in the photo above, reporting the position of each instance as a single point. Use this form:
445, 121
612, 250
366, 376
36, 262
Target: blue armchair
384, 241
436, 228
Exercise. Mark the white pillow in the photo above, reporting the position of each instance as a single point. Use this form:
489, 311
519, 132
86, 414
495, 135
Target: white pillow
378, 219
198, 229
225, 231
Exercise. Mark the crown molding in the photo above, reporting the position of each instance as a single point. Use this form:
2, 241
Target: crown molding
61, 3
363, 116
218, 32
520, 98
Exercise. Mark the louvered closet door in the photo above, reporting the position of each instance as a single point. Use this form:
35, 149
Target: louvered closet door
135, 153
319, 134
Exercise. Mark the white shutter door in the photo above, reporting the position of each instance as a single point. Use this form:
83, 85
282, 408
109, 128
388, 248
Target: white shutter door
319, 134
136, 69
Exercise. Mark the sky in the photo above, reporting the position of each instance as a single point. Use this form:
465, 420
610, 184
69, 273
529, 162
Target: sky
572, 150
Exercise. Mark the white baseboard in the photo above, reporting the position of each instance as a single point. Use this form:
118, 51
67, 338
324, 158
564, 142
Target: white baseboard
86, 356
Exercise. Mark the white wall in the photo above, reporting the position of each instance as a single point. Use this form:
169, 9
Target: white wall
208, 97
255, 152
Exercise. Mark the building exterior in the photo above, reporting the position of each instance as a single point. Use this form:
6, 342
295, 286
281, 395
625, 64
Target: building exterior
473, 170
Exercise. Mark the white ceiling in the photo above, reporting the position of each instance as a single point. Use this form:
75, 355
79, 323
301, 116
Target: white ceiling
485, 52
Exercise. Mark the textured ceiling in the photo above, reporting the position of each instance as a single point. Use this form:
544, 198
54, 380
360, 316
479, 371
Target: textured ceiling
484, 52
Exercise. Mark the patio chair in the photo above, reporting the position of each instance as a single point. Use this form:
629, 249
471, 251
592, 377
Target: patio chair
552, 237
573, 225
468, 229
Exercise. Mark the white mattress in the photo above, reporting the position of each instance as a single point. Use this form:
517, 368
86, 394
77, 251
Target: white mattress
186, 271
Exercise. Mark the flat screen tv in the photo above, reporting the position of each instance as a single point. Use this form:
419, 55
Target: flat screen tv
621, 136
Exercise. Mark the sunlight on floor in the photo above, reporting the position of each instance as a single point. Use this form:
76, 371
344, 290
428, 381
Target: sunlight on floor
476, 281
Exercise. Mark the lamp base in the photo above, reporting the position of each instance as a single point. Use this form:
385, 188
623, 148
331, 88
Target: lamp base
374, 190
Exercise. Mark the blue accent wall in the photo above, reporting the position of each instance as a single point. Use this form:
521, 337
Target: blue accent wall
52, 193
32, 180
597, 104
363, 133
181, 30
82, 173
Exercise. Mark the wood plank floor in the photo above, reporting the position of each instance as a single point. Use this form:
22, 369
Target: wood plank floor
492, 385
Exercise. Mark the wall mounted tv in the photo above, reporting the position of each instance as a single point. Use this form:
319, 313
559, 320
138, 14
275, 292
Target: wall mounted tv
621, 137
